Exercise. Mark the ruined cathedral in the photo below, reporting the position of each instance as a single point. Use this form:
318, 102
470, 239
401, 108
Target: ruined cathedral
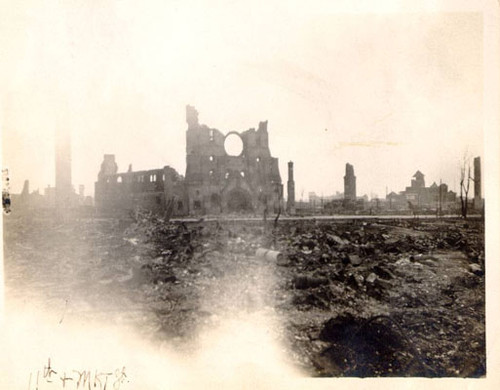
219, 178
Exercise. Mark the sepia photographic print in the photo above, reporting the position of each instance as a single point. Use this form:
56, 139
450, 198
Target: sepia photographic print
243, 195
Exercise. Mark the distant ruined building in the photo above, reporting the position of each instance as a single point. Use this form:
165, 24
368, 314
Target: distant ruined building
419, 197
218, 179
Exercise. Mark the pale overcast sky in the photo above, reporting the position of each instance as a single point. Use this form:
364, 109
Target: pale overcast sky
390, 92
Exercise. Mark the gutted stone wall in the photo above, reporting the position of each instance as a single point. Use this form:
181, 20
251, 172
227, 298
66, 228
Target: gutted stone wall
218, 181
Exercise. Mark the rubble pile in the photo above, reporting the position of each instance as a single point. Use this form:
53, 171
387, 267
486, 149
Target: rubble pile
353, 298
427, 279
181, 261
422, 281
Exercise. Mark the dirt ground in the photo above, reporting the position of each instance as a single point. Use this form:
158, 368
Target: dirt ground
349, 297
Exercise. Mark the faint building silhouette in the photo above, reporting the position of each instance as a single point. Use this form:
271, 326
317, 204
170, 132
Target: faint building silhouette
290, 207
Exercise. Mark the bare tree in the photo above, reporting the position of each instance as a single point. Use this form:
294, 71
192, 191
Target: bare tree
465, 179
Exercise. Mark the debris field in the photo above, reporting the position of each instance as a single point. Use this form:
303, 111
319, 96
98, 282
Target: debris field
361, 297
